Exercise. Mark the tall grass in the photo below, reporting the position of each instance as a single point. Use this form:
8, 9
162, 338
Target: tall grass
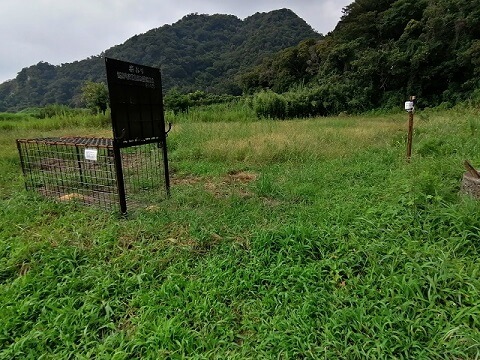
266, 142
21, 122
294, 239
234, 111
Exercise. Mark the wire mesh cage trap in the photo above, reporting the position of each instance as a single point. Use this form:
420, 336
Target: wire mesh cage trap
130, 168
84, 170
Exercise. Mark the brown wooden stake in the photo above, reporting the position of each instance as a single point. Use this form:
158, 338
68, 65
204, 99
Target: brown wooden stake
410, 135
410, 132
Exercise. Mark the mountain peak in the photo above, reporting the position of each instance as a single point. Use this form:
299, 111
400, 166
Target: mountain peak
198, 52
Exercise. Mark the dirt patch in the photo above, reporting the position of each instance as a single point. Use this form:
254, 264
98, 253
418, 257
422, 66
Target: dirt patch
187, 180
180, 236
215, 189
471, 185
271, 202
224, 190
241, 176
234, 183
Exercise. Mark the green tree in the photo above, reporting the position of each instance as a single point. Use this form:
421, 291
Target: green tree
176, 101
95, 96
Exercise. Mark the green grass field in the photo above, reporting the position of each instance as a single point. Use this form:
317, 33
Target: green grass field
282, 239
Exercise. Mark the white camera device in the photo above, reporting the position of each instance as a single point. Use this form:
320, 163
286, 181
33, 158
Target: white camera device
409, 106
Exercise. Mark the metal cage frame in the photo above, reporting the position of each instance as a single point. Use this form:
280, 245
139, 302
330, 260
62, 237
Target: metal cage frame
94, 171
106, 171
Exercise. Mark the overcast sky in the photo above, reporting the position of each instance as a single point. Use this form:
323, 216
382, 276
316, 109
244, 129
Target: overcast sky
62, 31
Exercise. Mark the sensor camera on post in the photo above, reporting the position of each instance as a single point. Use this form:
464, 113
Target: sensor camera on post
409, 106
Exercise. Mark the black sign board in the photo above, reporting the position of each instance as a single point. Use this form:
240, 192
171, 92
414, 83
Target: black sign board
136, 103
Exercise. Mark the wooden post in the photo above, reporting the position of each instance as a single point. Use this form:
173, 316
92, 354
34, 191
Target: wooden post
410, 134
410, 130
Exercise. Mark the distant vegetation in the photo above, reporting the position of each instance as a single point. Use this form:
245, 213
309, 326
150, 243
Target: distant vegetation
199, 52
380, 52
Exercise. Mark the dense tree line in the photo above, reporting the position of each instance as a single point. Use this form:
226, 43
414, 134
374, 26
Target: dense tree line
380, 52
199, 52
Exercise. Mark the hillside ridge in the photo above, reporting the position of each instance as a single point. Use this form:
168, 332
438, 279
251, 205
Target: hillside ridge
198, 52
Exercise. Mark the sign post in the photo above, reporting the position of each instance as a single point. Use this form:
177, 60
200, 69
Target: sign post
410, 108
136, 104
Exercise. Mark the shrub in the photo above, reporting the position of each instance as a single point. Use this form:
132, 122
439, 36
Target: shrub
268, 104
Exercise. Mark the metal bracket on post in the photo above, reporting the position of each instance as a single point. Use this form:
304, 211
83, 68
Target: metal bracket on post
169, 128
165, 161
117, 158
22, 162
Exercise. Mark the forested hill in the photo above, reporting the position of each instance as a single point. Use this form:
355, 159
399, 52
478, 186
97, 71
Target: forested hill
199, 52
380, 52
